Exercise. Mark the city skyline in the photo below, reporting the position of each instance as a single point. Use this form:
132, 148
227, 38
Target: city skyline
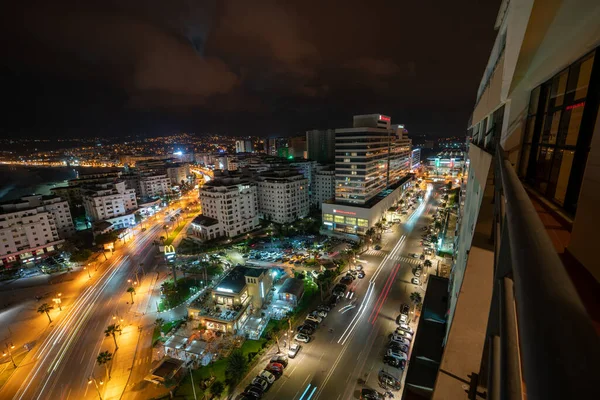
91, 69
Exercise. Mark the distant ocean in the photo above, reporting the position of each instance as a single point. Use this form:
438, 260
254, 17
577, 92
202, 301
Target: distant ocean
17, 181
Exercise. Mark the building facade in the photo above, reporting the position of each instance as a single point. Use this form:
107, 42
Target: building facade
33, 226
178, 173
323, 188
233, 202
415, 158
243, 146
283, 196
320, 145
154, 185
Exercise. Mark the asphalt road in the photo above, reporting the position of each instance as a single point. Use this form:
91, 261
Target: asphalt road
60, 365
338, 365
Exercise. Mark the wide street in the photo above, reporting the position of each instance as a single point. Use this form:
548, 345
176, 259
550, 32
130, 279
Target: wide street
62, 361
336, 365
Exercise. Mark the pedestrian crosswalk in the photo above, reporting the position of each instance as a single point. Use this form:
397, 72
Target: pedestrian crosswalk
373, 252
402, 259
409, 260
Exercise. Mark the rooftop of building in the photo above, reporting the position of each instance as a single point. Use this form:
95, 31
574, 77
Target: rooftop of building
203, 220
292, 286
379, 196
235, 280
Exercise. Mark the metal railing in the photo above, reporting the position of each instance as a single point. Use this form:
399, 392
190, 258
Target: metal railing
541, 342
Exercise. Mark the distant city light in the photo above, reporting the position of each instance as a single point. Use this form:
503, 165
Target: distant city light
178, 153
221, 289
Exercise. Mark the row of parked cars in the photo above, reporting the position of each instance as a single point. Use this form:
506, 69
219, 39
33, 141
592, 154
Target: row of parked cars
396, 352
311, 323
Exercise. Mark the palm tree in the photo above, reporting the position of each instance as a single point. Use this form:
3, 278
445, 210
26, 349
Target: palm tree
131, 291
162, 239
427, 264
166, 229
112, 330
103, 359
159, 322
237, 364
416, 298
45, 308
217, 389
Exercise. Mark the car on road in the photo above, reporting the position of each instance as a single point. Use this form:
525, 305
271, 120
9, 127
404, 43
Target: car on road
414, 255
402, 319
359, 267
415, 281
254, 391
311, 324
346, 280
319, 313
395, 346
400, 340
339, 289
306, 329
406, 327
404, 309
280, 359
294, 349
370, 394
361, 275
402, 334
397, 353
314, 318
388, 381
323, 307
301, 337
275, 368
394, 361
352, 274
417, 273
269, 377
377, 247
261, 383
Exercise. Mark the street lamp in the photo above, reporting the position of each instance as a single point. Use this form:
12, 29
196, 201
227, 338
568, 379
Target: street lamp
92, 379
57, 301
88, 271
9, 353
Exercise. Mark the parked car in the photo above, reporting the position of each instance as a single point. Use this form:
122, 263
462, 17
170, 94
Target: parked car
280, 359
378, 247
402, 319
359, 267
388, 381
301, 337
395, 346
417, 273
394, 361
306, 329
406, 327
319, 313
415, 281
269, 377
361, 275
402, 334
260, 382
311, 324
404, 309
346, 280
397, 353
314, 318
275, 368
254, 391
324, 307
370, 394
294, 349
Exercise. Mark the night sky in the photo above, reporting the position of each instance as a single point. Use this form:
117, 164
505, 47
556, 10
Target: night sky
240, 67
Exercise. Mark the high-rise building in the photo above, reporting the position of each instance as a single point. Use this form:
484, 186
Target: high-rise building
415, 158
244, 146
154, 185
297, 147
32, 226
320, 145
323, 187
232, 202
283, 196
525, 257
369, 157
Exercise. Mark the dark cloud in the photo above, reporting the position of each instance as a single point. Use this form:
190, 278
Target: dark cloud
257, 66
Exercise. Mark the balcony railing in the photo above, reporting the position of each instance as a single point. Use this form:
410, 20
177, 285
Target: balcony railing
541, 342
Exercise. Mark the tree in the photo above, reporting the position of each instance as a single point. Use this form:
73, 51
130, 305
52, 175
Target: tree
236, 368
416, 298
112, 330
131, 291
81, 256
217, 389
139, 219
103, 359
45, 308
159, 322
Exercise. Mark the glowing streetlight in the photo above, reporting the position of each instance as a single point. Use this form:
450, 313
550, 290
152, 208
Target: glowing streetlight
92, 379
88, 271
58, 301
8, 352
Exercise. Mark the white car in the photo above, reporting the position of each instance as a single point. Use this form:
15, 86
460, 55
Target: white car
260, 382
405, 327
403, 334
415, 281
403, 318
314, 318
319, 313
301, 337
399, 340
268, 376
294, 349
359, 267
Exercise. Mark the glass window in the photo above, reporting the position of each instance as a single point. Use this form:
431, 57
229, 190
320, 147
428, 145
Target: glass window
529, 131
350, 221
339, 219
585, 70
327, 217
574, 124
563, 176
534, 100
553, 132
363, 222
559, 87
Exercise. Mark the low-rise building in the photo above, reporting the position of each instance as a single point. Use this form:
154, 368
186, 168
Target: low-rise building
291, 291
32, 226
206, 228
178, 173
241, 293
154, 185
283, 196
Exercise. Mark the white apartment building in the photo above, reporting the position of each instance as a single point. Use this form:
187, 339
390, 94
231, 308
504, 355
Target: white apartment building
283, 196
323, 188
243, 146
107, 201
369, 157
233, 202
32, 226
178, 173
154, 185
